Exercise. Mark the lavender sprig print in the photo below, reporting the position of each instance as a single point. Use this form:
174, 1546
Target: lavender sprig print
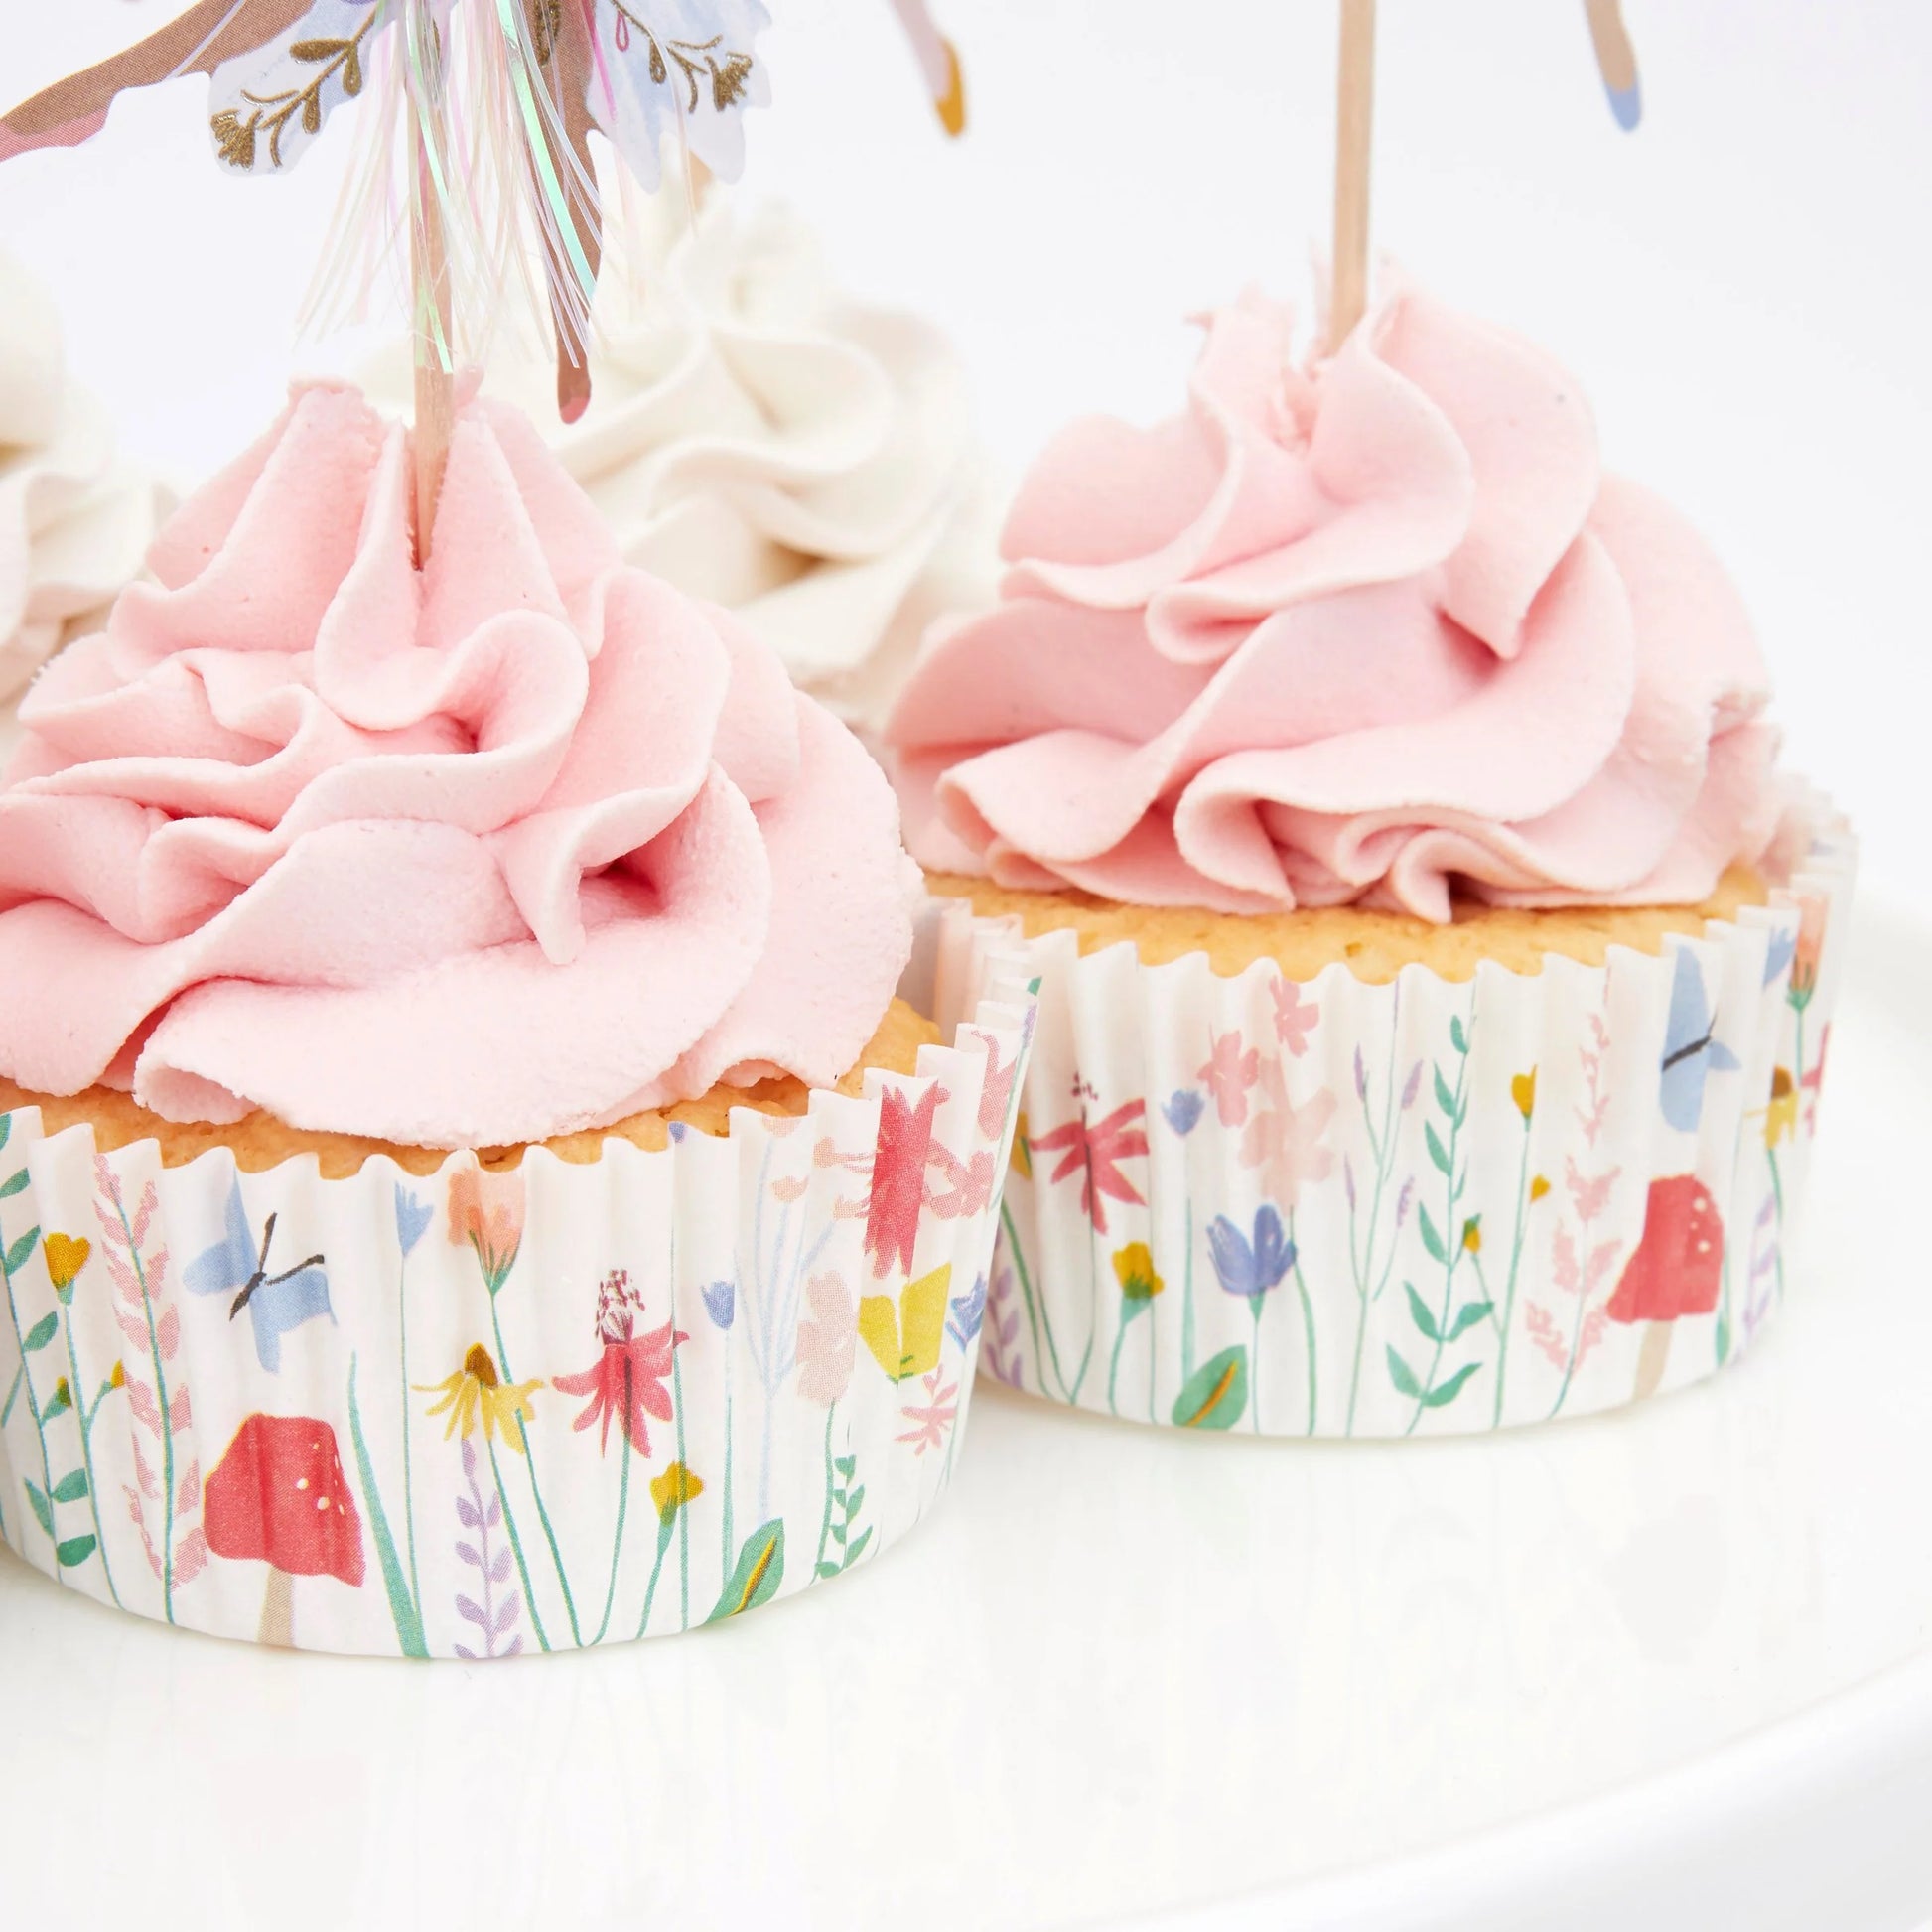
495, 1619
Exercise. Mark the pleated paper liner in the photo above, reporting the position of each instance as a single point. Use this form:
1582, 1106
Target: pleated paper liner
478, 1415
1424, 1208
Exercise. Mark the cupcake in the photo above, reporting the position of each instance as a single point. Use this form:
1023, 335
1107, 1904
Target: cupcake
759, 438
469, 1182
75, 519
1437, 969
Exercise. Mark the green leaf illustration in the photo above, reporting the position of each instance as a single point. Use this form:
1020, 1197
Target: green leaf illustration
828, 1570
1215, 1396
74, 1551
43, 1509
1447, 1392
1438, 1154
1420, 1313
12, 1184
846, 1465
403, 1609
1457, 1038
1430, 1238
41, 1334
21, 1250
857, 1547
71, 1487
855, 1502
1444, 1099
6, 1128
761, 1568
1468, 1315
59, 1402
1402, 1375
1723, 1342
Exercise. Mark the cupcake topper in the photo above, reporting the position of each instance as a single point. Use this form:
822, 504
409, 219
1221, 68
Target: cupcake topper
939, 63
1616, 61
490, 106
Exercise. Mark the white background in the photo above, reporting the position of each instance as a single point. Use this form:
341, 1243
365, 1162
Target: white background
1743, 286
1244, 1666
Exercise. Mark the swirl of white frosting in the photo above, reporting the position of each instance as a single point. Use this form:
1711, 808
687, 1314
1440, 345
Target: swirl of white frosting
75, 519
762, 439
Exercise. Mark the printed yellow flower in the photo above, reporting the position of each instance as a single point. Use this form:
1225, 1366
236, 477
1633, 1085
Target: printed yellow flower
1134, 1269
1023, 1153
1781, 1115
66, 1255
1473, 1234
1521, 1090
1539, 1188
118, 1380
672, 1490
475, 1392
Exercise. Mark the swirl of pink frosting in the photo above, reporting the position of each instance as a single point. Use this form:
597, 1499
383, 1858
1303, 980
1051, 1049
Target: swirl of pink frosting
1381, 631
515, 844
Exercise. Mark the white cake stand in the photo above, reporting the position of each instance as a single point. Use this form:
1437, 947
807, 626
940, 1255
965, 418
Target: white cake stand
1670, 1668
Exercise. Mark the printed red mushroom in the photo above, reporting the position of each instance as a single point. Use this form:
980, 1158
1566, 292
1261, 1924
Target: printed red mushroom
279, 1497
1676, 1270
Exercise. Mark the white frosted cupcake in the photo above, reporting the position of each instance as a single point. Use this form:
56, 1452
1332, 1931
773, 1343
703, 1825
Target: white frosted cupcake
761, 437
75, 520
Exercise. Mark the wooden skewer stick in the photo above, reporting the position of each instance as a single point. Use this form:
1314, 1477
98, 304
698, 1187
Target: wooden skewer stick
429, 282
1354, 116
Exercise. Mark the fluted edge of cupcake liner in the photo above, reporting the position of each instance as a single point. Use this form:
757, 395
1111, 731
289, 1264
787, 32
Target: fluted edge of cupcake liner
1430, 1207
480, 1414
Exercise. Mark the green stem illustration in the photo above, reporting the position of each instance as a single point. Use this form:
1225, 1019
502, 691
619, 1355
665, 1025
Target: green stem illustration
683, 1529
616, 1542
536, 1492
1454, 1235
33, 1401
1113, 1367
656, 1571
408, 1481
825, 1525
1382, 1145
1188, 1299
1255, 1306
1307, 1317
1515, 1271
728, 1547
1036, 1317
85, 1417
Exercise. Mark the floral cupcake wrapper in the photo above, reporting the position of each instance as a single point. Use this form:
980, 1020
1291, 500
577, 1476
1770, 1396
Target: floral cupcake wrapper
477, 1413
1424, 1208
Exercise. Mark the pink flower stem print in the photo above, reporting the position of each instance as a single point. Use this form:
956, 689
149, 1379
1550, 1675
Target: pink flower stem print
1368, 1279
496, 1621
1446, 1245
149, 1319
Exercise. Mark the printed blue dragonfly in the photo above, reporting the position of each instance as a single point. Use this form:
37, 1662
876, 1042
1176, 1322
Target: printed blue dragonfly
277, 1304
1691, 1049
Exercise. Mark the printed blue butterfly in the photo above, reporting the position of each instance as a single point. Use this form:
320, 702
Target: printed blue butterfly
277, 1304
1691, 1049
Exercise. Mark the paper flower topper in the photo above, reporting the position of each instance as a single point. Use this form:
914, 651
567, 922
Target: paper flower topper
499, 97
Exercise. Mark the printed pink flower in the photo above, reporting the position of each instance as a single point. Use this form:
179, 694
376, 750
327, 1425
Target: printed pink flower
997, 1094
969, 1183
1228, 1075
1286, 1141
1811, 947
933, 1418
898, 1179
1095, 1152
828, 1341
1590, 1195
487, 1211
1295, 1016
627, 1380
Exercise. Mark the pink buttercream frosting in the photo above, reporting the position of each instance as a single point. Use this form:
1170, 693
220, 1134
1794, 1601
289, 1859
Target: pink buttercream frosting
519, 843
1381, 630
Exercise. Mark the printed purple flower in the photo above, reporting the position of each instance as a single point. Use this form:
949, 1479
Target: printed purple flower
1361, 1077
1183, 1109
1412, 1086
627, 1380
1251, 1267
721, 1302
968, 1312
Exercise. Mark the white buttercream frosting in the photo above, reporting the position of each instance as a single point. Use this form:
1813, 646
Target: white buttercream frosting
764, 440
75, 519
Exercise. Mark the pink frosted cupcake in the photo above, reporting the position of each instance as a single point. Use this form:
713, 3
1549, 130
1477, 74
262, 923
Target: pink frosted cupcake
468, 1182
1435, 969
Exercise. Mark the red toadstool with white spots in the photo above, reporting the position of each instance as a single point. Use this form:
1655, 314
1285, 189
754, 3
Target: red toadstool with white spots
280, 1497
1676, 1270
